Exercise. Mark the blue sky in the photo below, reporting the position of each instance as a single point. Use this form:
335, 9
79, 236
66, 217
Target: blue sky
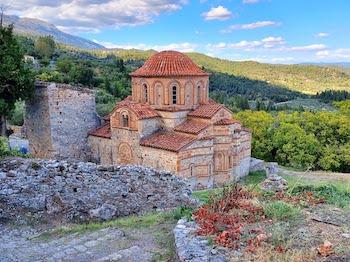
274, 31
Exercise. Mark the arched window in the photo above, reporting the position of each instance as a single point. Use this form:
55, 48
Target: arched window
191, 170
220, 161
145, 93
210, 169
198, 94
125, 120
174, 95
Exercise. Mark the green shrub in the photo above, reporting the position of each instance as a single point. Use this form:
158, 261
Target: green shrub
331, 193
279, 210
4, 147
182, 211
17, 115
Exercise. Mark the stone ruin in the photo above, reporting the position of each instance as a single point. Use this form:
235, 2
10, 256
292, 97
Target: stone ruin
77, 191
58, 119
273, 181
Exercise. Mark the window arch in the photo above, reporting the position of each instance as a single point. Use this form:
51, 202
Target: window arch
174, 94
220, 161
210, 169
191, 170
125, 120
198, 94
145, 92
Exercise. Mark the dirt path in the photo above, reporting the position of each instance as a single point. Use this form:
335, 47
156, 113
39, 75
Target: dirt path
23, 243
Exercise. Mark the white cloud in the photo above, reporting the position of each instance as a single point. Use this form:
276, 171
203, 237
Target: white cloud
266, 43
217, 13
321, 35
340, 53
250, 1
182, 47
314, 47
92, 15
250, 26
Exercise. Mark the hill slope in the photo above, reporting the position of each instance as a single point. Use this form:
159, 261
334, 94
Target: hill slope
36, 27
308, 79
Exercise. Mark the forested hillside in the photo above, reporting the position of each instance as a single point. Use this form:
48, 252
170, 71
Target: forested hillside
308, 79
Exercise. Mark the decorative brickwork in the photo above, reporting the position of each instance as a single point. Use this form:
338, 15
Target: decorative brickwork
170, 123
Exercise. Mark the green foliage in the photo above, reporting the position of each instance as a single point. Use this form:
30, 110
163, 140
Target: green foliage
182, 212
318, 140
64, 65
228, 85
254, 178
261, 124
16, 78
17, 114
4, 147
279, 210
331, 193
45, 46
294, 146
333, 95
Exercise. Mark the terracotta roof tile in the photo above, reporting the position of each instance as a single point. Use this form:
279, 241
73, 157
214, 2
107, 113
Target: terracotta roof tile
102, 131
191, 127
226, 121
206, 110
166, 140
169, 63
141, 110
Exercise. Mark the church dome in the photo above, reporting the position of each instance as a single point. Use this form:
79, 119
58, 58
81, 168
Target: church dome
169, 63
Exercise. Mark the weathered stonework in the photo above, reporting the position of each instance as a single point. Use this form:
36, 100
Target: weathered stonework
170, 123
70, 190
58, 120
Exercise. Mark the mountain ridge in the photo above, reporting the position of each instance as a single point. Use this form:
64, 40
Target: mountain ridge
36, 27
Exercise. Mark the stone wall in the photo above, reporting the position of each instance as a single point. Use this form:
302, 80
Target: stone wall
78, 191
58, 120
37, 123
101, 150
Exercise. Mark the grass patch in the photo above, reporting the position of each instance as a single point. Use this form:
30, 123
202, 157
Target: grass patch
334, 193
182, 211
205, 195
144, 221
254, 178
279, 210
166, 240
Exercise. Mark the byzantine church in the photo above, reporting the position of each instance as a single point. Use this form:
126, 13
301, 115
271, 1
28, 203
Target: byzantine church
170, 123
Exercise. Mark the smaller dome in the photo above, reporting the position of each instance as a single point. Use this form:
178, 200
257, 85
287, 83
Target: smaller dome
169, 63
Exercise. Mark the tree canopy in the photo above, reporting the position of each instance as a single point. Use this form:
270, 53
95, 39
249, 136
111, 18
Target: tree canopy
16, 77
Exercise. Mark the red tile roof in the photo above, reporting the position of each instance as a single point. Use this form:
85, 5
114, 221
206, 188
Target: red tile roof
102, 131
206, 110
141, 110
166, 140
191, 127
226, 121
169, 63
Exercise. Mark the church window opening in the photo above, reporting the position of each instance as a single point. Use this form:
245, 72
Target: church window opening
145, 92
174, 95
125, 120
198, 94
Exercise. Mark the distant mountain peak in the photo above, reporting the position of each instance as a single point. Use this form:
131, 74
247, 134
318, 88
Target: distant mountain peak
37, 27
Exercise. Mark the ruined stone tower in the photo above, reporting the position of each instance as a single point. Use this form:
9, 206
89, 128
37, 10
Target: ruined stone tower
58, 119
